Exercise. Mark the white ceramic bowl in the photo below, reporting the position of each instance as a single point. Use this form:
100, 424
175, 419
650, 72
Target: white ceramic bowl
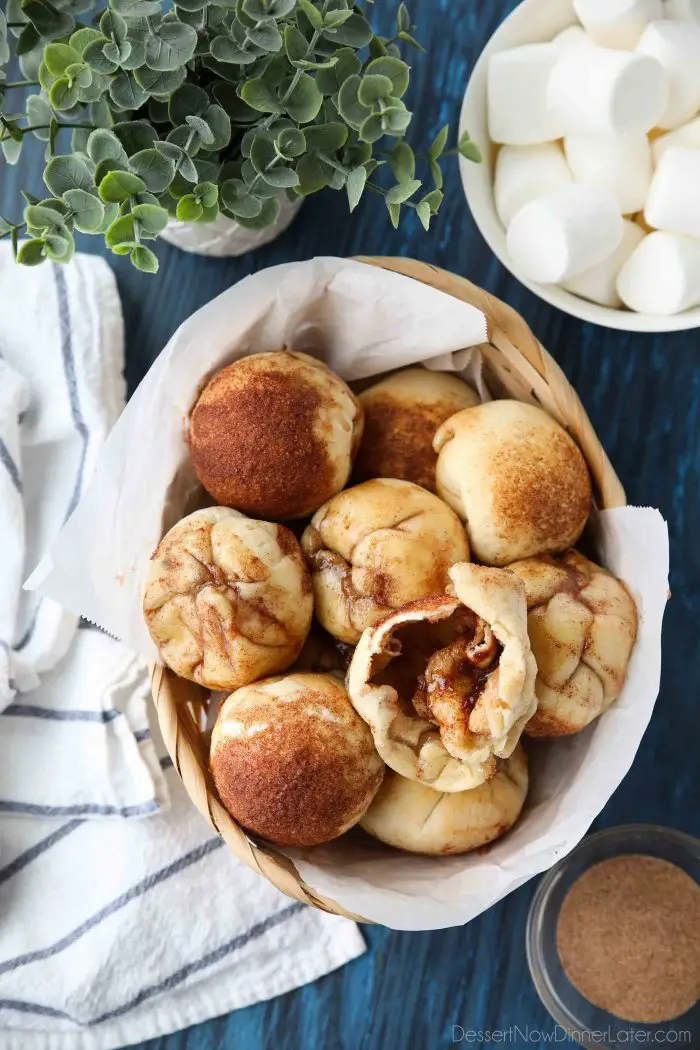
534, 21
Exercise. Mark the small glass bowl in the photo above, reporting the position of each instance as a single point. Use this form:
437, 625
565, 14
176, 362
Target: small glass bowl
586, 1024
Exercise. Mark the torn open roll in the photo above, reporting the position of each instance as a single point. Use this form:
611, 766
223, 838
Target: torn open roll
447, 683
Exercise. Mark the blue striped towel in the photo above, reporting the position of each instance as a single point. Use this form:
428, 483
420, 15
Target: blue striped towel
74, 727
114, 932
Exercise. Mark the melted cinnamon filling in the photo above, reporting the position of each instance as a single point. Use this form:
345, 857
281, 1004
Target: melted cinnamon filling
452, 657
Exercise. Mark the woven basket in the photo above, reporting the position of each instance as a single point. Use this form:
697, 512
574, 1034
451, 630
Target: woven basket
516, 365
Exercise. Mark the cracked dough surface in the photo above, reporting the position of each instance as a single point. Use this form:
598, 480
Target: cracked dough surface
413, 817
375, 547
228, 599
582, 623
446, 683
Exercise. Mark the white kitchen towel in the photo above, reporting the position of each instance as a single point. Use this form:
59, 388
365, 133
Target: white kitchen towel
117, 932
73, 700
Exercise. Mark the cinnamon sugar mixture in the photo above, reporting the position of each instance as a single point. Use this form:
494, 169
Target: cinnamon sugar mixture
628, 937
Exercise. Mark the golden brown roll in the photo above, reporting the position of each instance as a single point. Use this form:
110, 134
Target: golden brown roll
275, 434
447, 683
292, 761
410, 816
228, 599
402, 413
375, 547
515, 477
582, 623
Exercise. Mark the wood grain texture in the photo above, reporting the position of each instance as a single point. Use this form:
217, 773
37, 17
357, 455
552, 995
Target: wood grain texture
643, 395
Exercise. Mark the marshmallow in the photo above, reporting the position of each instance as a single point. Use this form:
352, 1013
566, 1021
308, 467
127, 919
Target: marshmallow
557, 237
574, 36
682, 10
673, 203
517, 96
599, 283
594, 91
677, 47
662, 275
524, 173
687, 135
620, 162
617, 23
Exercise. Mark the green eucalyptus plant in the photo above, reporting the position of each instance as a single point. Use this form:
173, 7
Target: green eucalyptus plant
217, 106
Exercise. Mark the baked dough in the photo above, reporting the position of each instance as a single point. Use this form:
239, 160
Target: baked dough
275, 434
447, 683
228, 599
413, 817
582, 623
375, 547
515, 477
402, 413
292, 761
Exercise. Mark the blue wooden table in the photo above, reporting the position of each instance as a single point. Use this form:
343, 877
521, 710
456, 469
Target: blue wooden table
643, 395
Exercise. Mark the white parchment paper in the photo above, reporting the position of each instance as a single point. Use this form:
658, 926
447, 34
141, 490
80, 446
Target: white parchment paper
362, 321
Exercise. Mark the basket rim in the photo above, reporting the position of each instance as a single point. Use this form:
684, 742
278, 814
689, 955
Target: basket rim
542, 376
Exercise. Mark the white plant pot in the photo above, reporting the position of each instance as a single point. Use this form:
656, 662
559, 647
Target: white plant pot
224, 237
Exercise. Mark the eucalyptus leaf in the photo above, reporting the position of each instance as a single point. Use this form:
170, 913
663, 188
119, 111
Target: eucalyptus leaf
394, 214
118, 186
39, 115
135, 135
41, 217
207, 193
107, 165
49, 22
292, 142
201, 128
437, 147
312, 13
144, 259
126, 93
187, 100
400, 193
220, 126
373, 88
402, 162
258, 95
171, 47
305, 100
356, 32
397, 71
105, 145
188, 208
424, 214
266, 35
59, 56
313, 174
96, 58
88, 211
67, 173
63, 94
269, 213
237, 199
120, 231
31, 253
355, 185
156, 170
159, 83
59, 246
152, 219
84, 36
